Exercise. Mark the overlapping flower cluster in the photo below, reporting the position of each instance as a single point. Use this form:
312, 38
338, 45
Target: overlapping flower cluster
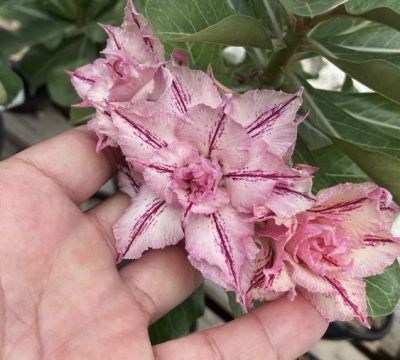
212, 168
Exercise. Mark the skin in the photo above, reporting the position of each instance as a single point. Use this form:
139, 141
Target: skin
61, 295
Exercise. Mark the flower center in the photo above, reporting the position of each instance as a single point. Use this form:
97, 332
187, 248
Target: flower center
198, 179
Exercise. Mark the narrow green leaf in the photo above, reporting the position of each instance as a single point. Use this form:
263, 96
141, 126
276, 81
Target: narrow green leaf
337, 166
311, 8
3, 94
383, 291
355, 118
269, 12
376, 66
177, 323
381, 168
383, 11
226, 32
302, 154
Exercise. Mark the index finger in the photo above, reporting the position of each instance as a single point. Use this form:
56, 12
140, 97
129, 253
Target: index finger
282, 329
71, 161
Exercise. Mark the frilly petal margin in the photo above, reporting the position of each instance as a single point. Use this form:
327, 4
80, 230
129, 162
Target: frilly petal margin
221, 246
149, 223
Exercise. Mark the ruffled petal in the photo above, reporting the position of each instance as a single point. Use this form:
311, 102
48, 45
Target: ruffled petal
136, 23
159, 169
348, 301
290, 199
269, 115
129, 181
149, 223
358, 213
188, 89
251, 186
221, 246
215, 135
373, 258
105, 130
140, 137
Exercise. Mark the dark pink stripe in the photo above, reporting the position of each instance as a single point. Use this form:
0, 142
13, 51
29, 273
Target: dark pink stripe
90, 81
161, 168
225, 246
267, 119
144, 134
258, 174
342, 292
343, 206
111, 34
219, 129
283, 189
132, 181
144, 221
180, 96
377, 240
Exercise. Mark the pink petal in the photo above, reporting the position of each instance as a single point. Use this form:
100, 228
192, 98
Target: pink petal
372, 259
359, 213
188, 89
347, 302
149, 223
269, 115
140, 137
129, 182
160, 167
215, 135
105, 130
251, 186
220, 245
288, 200
136, 23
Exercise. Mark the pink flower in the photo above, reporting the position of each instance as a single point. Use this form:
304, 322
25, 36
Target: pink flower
327, 251
198, 167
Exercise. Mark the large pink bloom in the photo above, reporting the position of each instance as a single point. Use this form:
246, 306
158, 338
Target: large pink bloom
198, 167
327, 251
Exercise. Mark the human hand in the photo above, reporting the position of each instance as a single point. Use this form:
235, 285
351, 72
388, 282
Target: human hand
61, 295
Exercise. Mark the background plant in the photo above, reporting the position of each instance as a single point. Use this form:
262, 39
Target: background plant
350, 136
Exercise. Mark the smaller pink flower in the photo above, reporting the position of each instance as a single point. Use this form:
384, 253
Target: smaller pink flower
326, 251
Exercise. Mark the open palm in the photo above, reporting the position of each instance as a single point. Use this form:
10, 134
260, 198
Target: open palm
61, 295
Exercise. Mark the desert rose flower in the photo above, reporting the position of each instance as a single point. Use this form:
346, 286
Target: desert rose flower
200, 165
191, 165
325, 252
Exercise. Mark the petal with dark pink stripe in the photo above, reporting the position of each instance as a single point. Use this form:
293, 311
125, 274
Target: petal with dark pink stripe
269, 115
347, 301
221, 246
215, 135
251, 186
129, 181
149, 223
140, 137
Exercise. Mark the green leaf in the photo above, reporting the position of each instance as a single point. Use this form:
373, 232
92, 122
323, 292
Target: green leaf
225, 32
383, 291
355, 118
10, 84
338, 26
176, 18
311, 8
269, 12
60, 88
337, 166
382, 11
302, 154
234, 305
177, 323
79, 116
37, 64
371, 56
381, 168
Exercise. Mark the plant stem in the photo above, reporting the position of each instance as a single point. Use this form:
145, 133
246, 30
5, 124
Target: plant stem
273, 75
